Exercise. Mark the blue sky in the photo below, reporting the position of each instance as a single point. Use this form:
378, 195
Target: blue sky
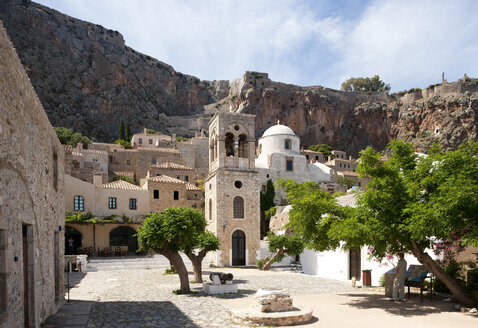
408, 43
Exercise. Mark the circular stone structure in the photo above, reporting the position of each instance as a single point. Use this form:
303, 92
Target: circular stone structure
286, 318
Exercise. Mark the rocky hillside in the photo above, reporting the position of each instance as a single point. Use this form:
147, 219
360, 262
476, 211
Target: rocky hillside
87, 79
445, 114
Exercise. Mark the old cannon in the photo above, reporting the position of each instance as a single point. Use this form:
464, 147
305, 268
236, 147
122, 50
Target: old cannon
220, 277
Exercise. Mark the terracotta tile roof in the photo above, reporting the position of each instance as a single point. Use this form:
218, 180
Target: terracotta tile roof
158, 149
67, 148
120, 184
77, 153
190, 186
166, 179
94, 151
170, 165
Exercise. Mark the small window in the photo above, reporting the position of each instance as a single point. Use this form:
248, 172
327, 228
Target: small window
238, 184
55, 170
267, 176
195, 196
178, 177
287, 143
158, 174
150, 141
307, 156
359, 184
128, 162
340, 164
289, 165
79, 203
264, 188
316, 158
186, 178
153, 160
95, 160
132, 203
238, 207
176, 195
140, 141
156, 194
112, 203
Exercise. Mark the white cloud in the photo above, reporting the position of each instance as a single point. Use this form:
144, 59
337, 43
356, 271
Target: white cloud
408, 43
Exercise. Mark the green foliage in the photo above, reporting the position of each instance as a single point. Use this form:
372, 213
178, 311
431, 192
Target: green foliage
68, 137
125, 143
121, 133
289, 244
381, 280
348, 182
126, 219
323, 148
85, 218
124, 178
175, 229
454, 270
266, 203
207, 241
312, 214
170, 270
213, 266
270, 212
373, 84
181, 138
151, 131
128, 132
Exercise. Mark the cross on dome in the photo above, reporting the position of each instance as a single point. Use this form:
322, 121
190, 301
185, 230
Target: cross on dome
278, 122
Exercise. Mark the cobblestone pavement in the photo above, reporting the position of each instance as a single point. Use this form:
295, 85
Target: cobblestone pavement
143, 296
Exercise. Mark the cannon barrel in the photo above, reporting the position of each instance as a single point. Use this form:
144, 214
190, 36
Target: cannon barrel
223, 277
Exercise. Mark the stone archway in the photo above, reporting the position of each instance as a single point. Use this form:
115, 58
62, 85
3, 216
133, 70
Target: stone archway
238, 248
73, 240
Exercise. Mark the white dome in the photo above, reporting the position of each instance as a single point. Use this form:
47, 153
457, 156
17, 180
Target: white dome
277, 130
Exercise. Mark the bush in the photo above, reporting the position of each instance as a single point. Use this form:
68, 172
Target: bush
381, 280
455, 271
124, 178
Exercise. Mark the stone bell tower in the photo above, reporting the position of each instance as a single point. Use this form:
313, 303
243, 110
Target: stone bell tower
232, 189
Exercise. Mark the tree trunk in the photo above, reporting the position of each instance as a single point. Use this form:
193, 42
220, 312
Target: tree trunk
267, 265
196, 260
177, 262
425, 259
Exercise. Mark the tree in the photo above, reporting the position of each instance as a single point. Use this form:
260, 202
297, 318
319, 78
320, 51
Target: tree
326, 150
365, 84
282, 245
121, 134
172, 231
128, 132
125, 143
206, 242
346, 181
124, 178
68, 137
412, 203
266, 202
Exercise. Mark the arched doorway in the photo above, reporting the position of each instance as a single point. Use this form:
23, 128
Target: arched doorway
124, 236
72, 240
238, 248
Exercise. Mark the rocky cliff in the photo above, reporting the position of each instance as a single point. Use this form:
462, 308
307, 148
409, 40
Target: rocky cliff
445, 114
87, 79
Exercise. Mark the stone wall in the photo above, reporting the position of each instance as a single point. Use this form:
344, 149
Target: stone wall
145, 157
166, 196
31, 200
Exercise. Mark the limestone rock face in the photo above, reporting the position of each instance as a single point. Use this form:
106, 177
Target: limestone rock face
87, 78
445, 114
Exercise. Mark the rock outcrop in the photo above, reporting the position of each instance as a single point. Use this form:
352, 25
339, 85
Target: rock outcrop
445, 114
87, 79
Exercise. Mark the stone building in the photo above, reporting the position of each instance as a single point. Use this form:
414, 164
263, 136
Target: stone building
232, 189
165, 191
173, 170
31, 200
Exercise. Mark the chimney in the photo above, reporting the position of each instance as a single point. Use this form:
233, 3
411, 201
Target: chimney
97, 180
329, 158
173, 137
79, 146
144, 131
350, 157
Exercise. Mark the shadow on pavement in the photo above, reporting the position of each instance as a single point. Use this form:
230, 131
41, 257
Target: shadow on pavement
119, 314
411, 307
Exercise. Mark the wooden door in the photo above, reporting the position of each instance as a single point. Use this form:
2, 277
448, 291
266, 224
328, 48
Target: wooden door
354, 264
238, 248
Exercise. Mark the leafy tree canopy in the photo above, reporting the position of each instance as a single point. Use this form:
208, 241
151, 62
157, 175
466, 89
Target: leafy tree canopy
68, 137
125, 143
323, 148
346, 181
365, 84
124, 178
282, 245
